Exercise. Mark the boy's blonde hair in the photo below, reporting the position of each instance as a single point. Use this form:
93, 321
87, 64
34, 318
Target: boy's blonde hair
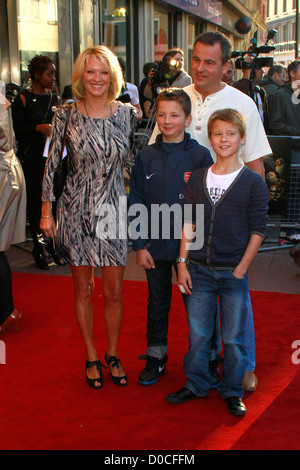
227, 115
108, 58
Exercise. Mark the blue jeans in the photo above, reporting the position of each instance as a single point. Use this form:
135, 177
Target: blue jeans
208, 286
249, 338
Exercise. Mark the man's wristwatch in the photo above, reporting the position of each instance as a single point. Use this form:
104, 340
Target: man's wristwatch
181, 260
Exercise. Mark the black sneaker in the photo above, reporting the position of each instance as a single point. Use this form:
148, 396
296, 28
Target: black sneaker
153, 369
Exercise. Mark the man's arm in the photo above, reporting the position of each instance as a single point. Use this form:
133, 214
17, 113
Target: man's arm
257, 166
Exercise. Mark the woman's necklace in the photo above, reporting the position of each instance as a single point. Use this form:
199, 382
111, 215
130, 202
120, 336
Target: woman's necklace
105, 165
110, 110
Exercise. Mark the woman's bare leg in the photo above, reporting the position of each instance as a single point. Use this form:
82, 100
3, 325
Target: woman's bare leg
83, 278
112, 284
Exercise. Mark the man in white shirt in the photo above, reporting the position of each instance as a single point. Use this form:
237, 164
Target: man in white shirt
211, 59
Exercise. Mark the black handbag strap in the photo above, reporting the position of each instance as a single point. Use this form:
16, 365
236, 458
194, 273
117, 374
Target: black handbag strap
65, 134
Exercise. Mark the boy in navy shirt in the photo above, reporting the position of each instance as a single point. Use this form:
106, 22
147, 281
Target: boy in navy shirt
158, 178
235, 202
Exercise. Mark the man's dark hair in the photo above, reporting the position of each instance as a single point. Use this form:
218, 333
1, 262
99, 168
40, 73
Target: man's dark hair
275, 69
293, 67
213, 37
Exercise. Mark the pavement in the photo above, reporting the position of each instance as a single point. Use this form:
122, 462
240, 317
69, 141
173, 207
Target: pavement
273, 270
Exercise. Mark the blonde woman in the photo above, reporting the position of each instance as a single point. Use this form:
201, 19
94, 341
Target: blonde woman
99, 143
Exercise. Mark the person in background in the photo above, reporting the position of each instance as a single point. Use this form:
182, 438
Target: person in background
179, 77
129, 92
284, 104
145, 89
275, 78
67, 95
100, 144
285, 121
258, 94
227, 76
32, 115
12, 214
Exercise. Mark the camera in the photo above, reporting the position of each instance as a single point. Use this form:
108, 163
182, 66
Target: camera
163, 76
258, 63
254, 51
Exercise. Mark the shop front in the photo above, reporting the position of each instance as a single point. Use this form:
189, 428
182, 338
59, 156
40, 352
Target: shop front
138, 31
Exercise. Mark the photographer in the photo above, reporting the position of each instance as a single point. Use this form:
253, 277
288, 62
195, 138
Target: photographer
259, 94
170, 72
145, 88
174, 60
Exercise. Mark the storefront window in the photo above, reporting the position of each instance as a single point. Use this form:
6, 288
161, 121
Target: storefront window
37, 32
191, 39
114, 26
160, 34
86, 36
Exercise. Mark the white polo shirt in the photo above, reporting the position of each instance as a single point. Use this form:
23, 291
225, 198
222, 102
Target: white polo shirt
256, 144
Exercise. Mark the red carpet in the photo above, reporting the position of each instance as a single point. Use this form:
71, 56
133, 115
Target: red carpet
46, 404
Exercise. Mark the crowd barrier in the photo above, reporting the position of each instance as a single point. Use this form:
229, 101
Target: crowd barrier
282, 170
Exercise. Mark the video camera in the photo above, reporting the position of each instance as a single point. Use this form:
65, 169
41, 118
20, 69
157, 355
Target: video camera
253, 52
163, 76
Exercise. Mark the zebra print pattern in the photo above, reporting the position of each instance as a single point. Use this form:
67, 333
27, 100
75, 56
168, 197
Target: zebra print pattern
95, 147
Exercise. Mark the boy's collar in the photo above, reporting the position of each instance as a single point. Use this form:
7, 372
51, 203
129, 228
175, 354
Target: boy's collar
185, 141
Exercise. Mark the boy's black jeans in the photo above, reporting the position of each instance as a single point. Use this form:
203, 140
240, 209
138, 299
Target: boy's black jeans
159, 302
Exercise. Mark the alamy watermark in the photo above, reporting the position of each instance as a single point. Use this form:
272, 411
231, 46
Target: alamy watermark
2, 352
296, 95
166, 222
296, 354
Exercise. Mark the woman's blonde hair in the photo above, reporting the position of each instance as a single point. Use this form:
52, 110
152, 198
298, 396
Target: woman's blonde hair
108, 58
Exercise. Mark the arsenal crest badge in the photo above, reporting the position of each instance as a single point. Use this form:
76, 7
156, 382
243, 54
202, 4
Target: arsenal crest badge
186, 176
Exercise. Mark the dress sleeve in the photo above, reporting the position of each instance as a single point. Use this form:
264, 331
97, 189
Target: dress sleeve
133, 114
56, 142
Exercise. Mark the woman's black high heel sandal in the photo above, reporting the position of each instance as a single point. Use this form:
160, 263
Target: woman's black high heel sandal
115, 362
92, 382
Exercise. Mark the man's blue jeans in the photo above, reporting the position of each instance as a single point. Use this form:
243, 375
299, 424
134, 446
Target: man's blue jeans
208, 285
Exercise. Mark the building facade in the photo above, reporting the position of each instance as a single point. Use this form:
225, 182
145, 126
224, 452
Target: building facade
139, 31
281, 15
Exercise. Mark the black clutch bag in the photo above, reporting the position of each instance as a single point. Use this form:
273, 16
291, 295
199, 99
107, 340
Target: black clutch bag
60, 174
